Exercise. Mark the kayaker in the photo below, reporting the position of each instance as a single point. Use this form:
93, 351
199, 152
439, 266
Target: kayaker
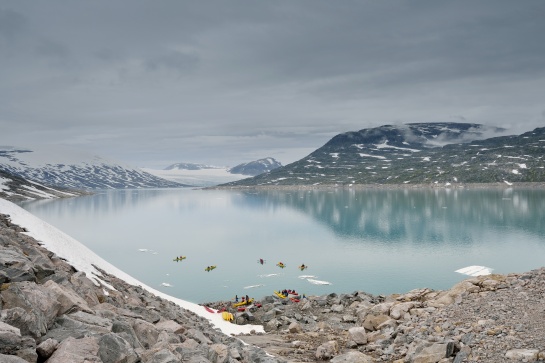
236, 298
247, 299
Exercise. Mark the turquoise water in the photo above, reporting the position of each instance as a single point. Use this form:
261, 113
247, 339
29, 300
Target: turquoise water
379, 241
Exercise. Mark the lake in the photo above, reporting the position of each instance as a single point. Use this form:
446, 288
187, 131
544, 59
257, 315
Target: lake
378, 241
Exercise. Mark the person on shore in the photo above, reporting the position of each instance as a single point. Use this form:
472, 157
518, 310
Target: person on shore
247, 299
236, 298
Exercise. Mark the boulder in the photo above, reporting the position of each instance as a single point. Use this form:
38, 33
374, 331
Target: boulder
528, 355
434, 353
71, 350
218, 353
15, 266
358, 335
29, 307
70, 301
11, 359
198, 336
398, 311
170, 325
114, 349
327, 350
10, 338
295, 328
352, 357
85, 288
46, 349
372, 322
146, 333
126, 331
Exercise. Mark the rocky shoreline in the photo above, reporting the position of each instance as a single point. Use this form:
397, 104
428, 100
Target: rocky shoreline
49, 312
494, 318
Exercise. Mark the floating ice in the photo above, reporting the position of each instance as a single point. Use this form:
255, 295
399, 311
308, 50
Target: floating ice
307, 277
475, 270
143, 250
166, 284
318, 282
253, 286
269, 275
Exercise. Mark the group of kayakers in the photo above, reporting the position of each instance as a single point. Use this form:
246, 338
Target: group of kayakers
243, 298
301, 267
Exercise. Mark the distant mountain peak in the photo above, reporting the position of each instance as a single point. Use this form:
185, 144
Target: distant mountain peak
256, 167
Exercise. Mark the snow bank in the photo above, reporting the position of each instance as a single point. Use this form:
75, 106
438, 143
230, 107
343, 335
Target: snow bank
83, 259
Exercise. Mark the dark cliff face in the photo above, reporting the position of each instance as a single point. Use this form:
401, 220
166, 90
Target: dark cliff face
419, 153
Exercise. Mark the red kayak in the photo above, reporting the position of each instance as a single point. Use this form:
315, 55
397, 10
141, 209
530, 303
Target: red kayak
209, 310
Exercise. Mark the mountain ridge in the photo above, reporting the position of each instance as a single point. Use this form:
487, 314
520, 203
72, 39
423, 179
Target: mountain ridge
417, 153
72, 169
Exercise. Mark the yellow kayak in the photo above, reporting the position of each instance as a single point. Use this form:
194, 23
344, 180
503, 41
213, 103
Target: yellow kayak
241, 303
279, 294
210, 268
227, 316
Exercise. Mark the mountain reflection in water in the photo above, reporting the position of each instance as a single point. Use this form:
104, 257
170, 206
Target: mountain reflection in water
374, 240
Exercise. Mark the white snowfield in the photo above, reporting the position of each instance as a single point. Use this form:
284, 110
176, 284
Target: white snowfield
83, 259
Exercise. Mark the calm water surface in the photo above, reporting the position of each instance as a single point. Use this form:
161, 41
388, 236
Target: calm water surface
379, 241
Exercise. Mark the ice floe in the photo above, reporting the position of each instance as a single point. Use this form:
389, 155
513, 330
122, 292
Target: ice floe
475, 270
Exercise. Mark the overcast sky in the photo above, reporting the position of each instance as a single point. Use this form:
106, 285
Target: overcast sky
151, 83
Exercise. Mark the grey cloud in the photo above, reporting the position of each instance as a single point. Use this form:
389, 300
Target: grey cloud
12, 23
215, 79
174, 60
51, 49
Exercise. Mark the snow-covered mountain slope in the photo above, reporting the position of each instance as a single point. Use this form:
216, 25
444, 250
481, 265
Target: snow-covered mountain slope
257, 167
72, 169
15, 189
420, 153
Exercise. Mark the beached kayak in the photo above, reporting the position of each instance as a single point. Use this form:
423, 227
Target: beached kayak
227, 316
241, 303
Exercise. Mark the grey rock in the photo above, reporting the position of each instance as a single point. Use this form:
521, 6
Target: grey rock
36, 300
198, 336
114, 349
71, 350
358, 335
69, 300
327, 350
11, 359
46, 348
146, 332
126, 331
10, 338
352, 357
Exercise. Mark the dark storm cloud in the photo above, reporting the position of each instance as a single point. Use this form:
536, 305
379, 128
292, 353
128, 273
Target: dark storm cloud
225, 81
